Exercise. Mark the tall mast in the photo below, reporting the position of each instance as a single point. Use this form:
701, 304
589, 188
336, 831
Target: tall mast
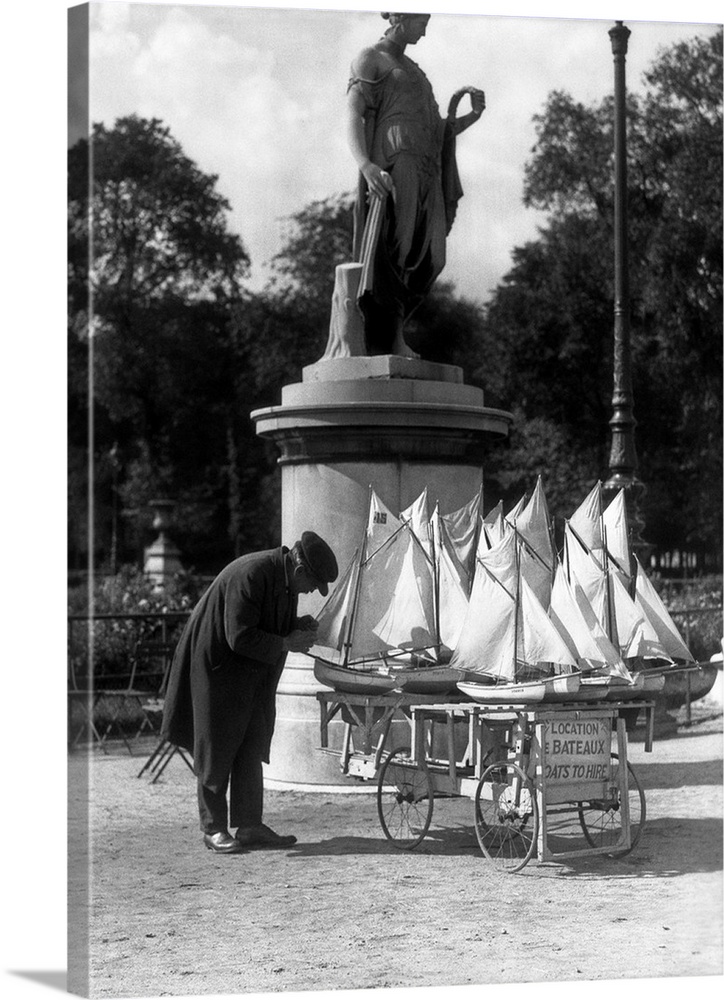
355, 597
517, 604
436, 520
476, 534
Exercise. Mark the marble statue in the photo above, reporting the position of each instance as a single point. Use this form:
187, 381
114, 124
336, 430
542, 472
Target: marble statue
407, 195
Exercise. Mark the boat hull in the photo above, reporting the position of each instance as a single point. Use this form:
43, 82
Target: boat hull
650, 684
427, 680
642, 687
352, 681
694, 684
563, 687
607, 689
529, 692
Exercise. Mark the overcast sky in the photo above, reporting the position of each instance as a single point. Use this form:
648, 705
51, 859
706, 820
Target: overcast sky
256, 96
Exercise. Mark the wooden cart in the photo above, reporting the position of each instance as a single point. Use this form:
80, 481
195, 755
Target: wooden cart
550, 781
367, 722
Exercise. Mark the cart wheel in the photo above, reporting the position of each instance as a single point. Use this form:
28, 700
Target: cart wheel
506, 816
404, 799
601, 820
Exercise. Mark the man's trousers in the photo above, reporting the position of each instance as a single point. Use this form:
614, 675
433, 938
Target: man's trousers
245, 782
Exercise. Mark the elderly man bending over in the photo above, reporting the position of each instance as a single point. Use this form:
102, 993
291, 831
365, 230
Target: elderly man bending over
221, 693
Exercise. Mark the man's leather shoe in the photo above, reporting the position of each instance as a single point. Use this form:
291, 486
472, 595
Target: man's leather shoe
262, 836
222, 843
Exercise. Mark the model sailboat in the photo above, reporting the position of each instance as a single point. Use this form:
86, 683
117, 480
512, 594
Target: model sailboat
431, 602
508, 641
610, 582
380, 628
450, 541
660, 644
537, 552
382, 608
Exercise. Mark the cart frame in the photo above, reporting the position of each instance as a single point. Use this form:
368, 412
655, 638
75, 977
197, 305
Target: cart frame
367, 720
509, 758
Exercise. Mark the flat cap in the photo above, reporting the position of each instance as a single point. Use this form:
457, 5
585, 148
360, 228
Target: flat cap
319, 558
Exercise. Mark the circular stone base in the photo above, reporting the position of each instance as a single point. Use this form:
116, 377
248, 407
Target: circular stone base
339, 436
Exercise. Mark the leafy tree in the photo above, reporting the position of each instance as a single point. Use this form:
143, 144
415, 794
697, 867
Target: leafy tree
319, 238
149, 248
158, 224
553, 313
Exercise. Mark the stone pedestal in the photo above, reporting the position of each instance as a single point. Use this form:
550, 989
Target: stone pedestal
391, 423
162, 559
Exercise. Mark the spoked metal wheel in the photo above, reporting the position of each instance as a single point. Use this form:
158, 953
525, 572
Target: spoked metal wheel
506, 816
601, 819
404, 799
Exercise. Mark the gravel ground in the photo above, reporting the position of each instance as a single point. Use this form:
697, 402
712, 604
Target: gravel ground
344, 909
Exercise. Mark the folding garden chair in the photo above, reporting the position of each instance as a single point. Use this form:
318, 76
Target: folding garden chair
160, 758
81, 693
130, 703
163, 752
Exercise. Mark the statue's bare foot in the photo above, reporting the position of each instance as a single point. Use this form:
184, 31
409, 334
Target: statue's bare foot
401, 349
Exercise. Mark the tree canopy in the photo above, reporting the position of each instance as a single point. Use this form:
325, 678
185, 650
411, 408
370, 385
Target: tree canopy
181, 351
154, 273
552, 314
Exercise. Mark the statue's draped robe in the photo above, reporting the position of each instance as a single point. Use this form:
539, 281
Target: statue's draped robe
407, 137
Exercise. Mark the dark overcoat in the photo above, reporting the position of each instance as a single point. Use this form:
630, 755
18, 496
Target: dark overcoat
230, 652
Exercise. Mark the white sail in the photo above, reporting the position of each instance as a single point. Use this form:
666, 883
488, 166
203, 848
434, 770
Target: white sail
408, 621
586, 522
492, 529
622, 621
655, 611
573, 616
580, 563
487, 640
502, 561
650, 646
461, 530
506, 627
381, 524
615, 525
539, 641
537, 553
628, 620
512, 516
533, 523
537, 574
453, 587
384, 601
334, 617
394, 606
418, 517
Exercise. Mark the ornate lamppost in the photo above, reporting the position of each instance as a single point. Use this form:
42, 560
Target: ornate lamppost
623, 462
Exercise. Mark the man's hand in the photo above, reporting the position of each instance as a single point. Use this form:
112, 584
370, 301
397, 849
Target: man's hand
298, 641
307, 622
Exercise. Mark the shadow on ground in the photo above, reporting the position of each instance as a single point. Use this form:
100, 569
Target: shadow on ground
669, 848
689, 775
55, 980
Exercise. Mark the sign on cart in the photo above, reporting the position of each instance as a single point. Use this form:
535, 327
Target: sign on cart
577, 750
